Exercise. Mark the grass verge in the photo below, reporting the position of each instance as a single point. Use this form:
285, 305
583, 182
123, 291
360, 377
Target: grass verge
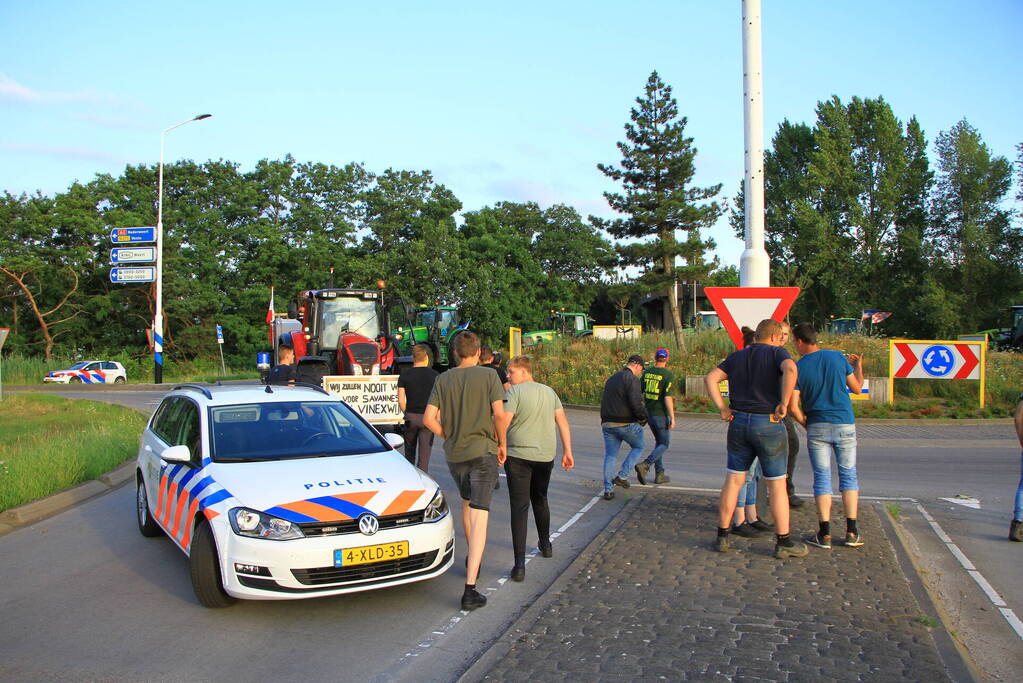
49, 443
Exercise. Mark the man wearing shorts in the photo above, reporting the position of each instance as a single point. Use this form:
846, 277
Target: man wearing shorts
761, 378
461, 410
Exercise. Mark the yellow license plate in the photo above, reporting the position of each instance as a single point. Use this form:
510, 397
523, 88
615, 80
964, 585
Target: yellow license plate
367, 554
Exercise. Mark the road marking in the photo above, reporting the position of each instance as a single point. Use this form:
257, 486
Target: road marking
967, 502
489, 590
988, 589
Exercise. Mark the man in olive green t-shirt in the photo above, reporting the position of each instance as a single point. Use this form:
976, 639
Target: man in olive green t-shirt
461, 410
658, 384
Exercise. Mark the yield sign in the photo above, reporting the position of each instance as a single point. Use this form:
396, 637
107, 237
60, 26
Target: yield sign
936, 359
747, 306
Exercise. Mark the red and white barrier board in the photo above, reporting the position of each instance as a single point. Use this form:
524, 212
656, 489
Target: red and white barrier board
937, 359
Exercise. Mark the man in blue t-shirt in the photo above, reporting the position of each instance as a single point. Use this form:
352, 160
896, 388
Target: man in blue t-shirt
761, 379
821, 404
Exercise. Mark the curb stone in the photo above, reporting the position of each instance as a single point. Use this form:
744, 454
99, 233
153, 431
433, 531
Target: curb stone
62, 500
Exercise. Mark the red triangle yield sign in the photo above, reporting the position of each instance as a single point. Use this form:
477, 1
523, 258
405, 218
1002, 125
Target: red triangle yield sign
739, 306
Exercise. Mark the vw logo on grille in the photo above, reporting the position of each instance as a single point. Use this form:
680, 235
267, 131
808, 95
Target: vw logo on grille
368, 524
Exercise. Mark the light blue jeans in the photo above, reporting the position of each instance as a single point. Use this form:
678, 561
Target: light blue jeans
748, 492
1017, 512
613, 438
824, 439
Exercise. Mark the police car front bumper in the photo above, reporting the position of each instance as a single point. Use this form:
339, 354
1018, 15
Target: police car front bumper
259, 569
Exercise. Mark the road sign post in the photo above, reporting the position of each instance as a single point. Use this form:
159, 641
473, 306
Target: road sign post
220, 345
936, 359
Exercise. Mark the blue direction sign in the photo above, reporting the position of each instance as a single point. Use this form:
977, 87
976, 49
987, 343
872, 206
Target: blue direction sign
123, 235
220, 334
133, 255
137, 274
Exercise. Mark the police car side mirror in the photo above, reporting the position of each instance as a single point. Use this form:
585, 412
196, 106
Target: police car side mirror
176, 454
393, 440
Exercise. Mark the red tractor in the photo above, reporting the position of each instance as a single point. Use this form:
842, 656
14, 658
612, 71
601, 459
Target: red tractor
335, 332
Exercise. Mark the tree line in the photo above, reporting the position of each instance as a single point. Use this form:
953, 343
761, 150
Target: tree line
855, 215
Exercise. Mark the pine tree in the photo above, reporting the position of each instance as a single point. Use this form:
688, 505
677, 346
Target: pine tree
656, 170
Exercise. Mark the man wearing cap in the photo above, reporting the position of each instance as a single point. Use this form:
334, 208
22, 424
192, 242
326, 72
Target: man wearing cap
658, 383
622, 416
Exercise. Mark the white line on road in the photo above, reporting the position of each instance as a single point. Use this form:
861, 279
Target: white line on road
446, 629
991, 593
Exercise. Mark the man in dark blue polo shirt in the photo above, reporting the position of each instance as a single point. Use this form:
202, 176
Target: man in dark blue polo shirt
761, 378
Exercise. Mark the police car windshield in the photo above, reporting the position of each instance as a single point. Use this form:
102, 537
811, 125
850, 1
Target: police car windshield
289, 429
79, 365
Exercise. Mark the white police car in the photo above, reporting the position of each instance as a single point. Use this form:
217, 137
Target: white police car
285, 492
89, 372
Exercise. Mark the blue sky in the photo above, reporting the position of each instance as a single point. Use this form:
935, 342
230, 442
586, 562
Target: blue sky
514, 102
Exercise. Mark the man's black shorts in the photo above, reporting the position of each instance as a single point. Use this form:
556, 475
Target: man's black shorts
475, 480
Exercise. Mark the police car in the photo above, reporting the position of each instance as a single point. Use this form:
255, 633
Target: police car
89, 372
285, 492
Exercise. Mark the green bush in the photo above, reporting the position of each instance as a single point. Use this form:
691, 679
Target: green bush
51, 443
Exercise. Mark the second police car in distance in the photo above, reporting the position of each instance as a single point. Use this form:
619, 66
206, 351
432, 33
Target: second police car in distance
89, 372
285, 492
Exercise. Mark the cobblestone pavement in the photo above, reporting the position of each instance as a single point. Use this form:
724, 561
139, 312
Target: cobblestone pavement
656, 603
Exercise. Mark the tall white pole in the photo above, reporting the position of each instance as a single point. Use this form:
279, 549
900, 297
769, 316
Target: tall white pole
158, 314
754, 265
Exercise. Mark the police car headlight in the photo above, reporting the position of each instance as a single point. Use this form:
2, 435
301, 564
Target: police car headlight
437, 508
255, 524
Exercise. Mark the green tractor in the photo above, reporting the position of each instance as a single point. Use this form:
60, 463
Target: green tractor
435, 326
560, 323
1007, 338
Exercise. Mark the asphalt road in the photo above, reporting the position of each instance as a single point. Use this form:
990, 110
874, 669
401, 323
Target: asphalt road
86, 597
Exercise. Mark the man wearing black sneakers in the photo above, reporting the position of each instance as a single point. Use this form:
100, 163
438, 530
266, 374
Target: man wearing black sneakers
622, 417
462, 409
821, 404
761, 378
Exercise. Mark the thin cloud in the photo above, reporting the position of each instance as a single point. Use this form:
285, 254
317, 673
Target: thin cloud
107, 123
12, 90
61, 152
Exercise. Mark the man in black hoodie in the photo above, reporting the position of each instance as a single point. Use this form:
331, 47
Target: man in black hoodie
622, 417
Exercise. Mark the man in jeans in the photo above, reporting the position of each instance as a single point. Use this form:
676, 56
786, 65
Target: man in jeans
761, 378
822, 405
462, 409
1016, 525
658, 383
622, 416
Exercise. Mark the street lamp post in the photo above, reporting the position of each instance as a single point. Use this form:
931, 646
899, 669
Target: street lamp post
158, 316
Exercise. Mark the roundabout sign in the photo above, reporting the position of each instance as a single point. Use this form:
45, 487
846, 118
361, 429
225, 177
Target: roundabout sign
945, 360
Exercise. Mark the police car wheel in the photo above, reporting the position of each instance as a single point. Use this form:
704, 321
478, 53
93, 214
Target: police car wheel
118, 380
147, 526
205, 570
75, 380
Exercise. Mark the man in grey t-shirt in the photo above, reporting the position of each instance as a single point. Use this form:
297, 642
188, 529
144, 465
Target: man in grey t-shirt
533, 415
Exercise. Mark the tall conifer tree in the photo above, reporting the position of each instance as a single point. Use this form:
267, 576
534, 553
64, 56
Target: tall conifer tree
656, 171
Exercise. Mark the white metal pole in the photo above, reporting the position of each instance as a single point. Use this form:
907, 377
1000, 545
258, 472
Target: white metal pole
158, 314
754, 265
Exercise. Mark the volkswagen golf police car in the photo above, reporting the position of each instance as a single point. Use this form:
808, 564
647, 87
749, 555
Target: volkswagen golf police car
285, 492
